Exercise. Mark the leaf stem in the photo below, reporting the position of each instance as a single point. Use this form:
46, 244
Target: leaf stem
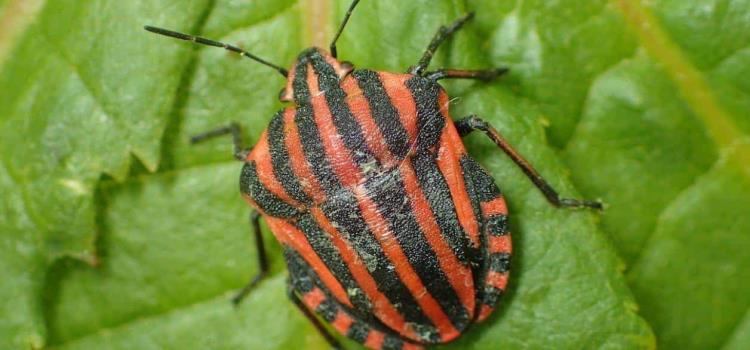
689, 80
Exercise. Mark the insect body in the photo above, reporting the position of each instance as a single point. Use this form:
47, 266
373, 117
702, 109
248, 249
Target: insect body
392, 233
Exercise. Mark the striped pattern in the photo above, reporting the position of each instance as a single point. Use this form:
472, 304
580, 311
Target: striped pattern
366, 182
496, 246
311, 290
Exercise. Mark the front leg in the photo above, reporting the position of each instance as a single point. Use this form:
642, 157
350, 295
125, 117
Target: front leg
471, 123
482, 74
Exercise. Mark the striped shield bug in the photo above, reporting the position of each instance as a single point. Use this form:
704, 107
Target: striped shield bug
391, 232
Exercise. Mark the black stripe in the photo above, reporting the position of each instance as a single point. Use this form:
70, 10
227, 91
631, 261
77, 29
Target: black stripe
392, 343
303, 280
471, 190
344, 213
383, 112
343, 119
321, 243
298, 271
499, 262
497, 225
491, 295
480, 254
342, 209
327, 310
388, 192
430, 121
485, 189
435, 188
481, 188
358, 331
309, 135
412, 240
268, 202
280, 159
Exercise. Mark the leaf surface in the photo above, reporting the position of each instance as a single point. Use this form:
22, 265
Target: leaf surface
650, 123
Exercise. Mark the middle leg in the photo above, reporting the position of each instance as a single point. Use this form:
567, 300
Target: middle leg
262, 260
482, 74
471, 123
240, 152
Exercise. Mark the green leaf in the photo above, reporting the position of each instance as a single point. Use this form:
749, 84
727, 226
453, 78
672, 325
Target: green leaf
654, 140
167, 282
741, 337
68, 113
700, 243
645, 104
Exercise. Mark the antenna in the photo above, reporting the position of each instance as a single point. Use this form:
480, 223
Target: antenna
341, 27
209, 42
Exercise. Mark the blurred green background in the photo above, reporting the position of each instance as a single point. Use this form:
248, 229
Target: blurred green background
116, 234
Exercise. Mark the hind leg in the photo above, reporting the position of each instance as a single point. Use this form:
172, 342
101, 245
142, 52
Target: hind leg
240, 153
292, 294
311, 296
471, 123
494, 238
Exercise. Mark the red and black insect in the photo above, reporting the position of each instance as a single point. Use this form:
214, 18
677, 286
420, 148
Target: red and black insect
392, 233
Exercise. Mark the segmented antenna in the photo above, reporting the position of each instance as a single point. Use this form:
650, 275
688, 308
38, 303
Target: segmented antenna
209, 42
341, 27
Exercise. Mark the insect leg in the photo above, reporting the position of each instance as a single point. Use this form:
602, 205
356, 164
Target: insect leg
442, 34
471, 123
483, 75
262, 259
333, 51
240, 153
314, 320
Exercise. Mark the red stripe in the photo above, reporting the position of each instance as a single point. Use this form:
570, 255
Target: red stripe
411, 346
336, 151
405, 271
450, 151
381, 305
458, 274
494, 207
349, 175
299, 164
401, 98
374, 339
342, 322
287, 234
499, 244
266, 176
314, 298
484, 312
360, 108
496, 279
